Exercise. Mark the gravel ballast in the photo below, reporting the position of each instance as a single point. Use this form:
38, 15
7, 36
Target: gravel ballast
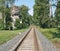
7, 46
46, 44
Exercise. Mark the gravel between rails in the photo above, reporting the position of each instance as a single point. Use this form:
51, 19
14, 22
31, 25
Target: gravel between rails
46, 44
7, 46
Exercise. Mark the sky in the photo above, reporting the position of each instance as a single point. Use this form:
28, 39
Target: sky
54, 8
28, 3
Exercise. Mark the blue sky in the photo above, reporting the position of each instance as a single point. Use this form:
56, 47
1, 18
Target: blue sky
54, 8
28, 3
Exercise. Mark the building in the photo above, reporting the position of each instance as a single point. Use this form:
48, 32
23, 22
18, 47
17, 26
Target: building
14, 14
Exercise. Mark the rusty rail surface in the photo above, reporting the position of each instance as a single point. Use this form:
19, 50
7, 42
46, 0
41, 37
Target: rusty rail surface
35, 41
19, 43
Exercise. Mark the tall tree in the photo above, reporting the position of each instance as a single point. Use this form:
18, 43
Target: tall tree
41, 12
8, 19
3, 4
24, 15
58, 13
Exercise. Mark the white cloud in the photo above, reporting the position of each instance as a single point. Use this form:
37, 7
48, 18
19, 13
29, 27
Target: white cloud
30, 12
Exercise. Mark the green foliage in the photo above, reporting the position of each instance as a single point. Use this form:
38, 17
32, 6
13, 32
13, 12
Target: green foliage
3, 5
41, 13
18, 25
57, 13
8, 19
24, 16
51, 33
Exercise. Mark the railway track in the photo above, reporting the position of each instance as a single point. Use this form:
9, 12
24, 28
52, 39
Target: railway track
29, 42
34, 41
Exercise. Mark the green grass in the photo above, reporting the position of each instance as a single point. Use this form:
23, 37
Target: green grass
6, 35
51, 34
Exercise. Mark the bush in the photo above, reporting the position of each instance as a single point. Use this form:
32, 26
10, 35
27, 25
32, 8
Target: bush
59, 29
17, 24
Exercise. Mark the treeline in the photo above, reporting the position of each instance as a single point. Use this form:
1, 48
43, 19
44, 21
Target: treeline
5, 12
24, 17
42, 15
22, 22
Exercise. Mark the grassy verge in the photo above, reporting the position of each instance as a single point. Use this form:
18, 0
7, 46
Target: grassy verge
6, 35
51, 34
